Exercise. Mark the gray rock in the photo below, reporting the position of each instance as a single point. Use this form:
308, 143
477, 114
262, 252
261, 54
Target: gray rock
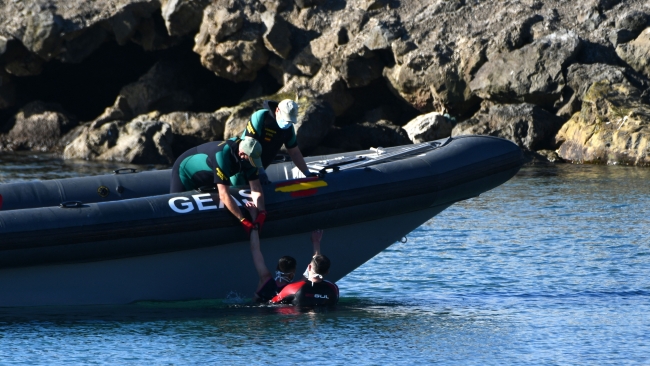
532, 74
277, 37
527, 125
316, 120
580, 77
37, 126
637, 53
137, 142
634, 21
183, 16
618, 36
428, 127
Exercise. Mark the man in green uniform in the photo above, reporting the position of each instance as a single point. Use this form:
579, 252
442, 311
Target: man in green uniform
213, 163
273, 127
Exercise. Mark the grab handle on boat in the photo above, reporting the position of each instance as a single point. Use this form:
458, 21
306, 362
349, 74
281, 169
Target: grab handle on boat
125, 171
71, 204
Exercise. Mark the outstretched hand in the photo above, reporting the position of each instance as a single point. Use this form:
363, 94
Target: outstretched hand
316, 235
252, 209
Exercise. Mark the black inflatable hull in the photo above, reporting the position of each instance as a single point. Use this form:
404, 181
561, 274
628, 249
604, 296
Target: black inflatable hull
127, 240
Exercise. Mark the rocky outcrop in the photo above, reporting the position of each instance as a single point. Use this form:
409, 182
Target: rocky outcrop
134, 142
528, 125
613, 127
637, 53
532, 74
428, 127
190, 129
527, 63
37, 127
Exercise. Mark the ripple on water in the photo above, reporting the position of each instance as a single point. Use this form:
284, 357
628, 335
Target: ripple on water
550, 268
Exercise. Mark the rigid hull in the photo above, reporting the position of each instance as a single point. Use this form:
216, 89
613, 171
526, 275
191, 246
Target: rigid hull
155, 246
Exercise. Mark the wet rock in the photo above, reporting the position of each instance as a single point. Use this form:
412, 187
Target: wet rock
637, 53
532, 74
137, 142
613, 127
428, 127
37, 126
551, 156
527, 125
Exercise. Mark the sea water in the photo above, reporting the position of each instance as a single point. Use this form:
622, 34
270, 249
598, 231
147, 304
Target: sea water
551, 268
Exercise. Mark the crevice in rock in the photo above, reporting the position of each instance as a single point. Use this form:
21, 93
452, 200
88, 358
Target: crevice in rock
86, 89
376, 102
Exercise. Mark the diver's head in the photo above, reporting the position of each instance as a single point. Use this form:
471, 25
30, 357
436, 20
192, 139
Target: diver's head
318, 268
285, 270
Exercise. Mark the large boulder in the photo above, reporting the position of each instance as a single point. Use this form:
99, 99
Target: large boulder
134, 142
613, 127
527, 125
226, 47
637, 53
580, 77
37, 126
183, 17
428, 127
532, 74
189, 128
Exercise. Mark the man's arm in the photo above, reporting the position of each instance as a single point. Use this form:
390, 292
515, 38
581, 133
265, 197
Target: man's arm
316, 237
257, 194
258, 259
228, 201
299, 160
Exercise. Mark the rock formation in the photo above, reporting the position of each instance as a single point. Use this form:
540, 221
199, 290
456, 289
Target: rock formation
363, 70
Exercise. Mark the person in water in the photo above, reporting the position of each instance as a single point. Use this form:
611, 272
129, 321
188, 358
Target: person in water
213, 163
273, 127
313, 289
269, 285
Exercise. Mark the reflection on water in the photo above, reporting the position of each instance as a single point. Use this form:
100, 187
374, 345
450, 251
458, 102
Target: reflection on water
553, 267
22, 166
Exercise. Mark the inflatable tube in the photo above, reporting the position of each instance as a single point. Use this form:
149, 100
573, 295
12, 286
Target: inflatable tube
75, 225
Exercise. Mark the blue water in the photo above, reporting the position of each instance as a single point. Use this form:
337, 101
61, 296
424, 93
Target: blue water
551, 268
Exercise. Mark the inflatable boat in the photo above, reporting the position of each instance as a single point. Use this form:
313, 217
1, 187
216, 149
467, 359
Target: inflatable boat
121, 237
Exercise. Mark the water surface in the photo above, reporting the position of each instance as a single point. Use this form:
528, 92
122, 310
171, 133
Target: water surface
551, 268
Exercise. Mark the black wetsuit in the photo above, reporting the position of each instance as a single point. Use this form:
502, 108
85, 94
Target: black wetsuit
268, 291
306, 293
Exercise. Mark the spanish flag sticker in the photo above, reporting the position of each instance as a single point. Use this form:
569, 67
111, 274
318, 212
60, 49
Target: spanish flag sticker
301, 187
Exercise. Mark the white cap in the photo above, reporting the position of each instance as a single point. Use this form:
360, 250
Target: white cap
288, 111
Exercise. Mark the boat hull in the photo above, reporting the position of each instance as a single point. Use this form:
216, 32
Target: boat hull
184, 246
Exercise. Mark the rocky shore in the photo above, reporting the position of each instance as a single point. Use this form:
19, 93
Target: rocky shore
140, 81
